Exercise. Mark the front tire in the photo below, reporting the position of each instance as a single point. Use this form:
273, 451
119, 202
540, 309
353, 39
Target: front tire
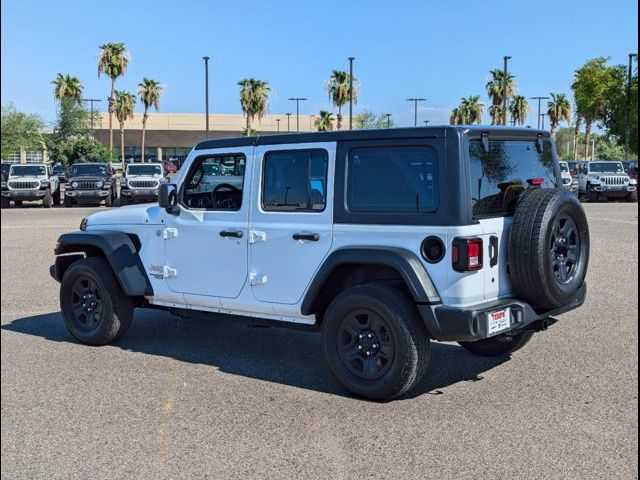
499, 346
632, 197
94, 308
68, 202
374, 341
5, 202
57, 197
17, 203
108, 201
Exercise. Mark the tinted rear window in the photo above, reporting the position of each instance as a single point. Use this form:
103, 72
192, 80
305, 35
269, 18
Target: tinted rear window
497, 176
392, 179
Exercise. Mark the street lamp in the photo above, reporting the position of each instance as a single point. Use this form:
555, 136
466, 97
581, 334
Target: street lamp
206, 96
278, 124
426, 123
539, 106
351, 59
627, 130
288, 121
388, 115
298, 100
542, 115
504, 90
91, 101
415, 108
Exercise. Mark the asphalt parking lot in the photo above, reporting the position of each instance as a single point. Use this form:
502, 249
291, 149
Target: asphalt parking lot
193, 399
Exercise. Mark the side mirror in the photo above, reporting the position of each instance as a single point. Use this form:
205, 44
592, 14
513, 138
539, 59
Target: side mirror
168, 197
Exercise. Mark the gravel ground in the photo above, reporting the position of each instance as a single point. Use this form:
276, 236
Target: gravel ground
208, 399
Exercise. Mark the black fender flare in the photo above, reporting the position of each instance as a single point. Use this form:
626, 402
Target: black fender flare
407, 263
118, 248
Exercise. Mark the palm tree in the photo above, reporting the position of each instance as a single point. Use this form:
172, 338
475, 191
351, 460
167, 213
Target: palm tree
339, 92
472, 109
457, 117
67, 87
559, 110
123, 107
149, 92
576, 135
113, 62
254, 100
495, 87
495, 111
324, 122
519, 109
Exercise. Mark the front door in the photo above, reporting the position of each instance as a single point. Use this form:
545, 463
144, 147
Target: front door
291, 223
206, 246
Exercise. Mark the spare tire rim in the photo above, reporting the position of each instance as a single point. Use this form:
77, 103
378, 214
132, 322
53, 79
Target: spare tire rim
564, 245
365, 344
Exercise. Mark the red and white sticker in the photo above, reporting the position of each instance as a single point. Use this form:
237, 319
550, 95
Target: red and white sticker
498, 321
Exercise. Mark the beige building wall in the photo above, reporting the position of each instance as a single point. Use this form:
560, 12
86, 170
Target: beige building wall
219, 122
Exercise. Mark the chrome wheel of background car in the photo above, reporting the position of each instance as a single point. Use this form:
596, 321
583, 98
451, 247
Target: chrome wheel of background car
86, 303
365, 343
565, 249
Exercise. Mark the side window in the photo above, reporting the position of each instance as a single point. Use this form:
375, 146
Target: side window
295, 180
392, 179
215, 183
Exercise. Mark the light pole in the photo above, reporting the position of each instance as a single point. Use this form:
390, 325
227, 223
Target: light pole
504, 90
627, 130
206, 96
426, 123
593, 149
278, 124
298, 100
542, 115
539, 106
351, 59
91, 101
415, 108
288, 121
388, 115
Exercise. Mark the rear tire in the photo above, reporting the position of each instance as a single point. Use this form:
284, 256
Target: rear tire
94, 308
383, 321
497, 346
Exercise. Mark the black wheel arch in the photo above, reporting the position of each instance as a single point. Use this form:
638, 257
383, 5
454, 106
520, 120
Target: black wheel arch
408, 266
120, 249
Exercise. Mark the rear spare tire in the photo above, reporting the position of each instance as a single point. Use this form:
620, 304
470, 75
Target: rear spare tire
548, 247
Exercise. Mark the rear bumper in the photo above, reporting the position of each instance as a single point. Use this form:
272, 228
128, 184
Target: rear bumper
470, 324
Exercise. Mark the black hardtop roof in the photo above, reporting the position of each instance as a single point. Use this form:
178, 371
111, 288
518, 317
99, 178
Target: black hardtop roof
355, 135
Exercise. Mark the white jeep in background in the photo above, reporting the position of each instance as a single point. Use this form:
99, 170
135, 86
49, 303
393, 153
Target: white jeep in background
31, 182
604, 180
382, 240
568, 181
140, 183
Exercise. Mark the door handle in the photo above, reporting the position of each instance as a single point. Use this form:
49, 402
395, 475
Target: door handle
231, 233
311, 237
493, 251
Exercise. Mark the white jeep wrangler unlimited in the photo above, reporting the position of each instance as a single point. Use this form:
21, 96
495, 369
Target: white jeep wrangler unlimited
381, 240
31, 182
141, 182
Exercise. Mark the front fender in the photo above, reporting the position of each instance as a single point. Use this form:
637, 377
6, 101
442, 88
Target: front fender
120, 250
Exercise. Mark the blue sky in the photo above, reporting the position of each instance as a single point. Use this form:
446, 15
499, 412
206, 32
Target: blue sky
438, 50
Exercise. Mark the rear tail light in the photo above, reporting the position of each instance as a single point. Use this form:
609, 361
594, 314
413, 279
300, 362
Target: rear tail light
466, 254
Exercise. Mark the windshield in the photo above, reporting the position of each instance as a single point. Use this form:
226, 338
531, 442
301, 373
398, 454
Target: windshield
564, 168
28, 170
606, 167
144, 170
89, 169
499, 175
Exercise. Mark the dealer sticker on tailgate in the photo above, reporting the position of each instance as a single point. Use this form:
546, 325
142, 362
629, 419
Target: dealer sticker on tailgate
498, 321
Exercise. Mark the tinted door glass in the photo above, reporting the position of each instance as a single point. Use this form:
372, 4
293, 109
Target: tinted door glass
507, 168
392, 179
295, 180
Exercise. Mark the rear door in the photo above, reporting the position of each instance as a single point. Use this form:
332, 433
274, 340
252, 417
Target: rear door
497, 178
291, 220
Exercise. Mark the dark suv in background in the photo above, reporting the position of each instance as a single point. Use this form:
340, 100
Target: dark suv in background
91, 183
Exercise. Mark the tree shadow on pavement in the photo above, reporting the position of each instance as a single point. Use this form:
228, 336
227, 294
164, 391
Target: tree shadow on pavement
289, 357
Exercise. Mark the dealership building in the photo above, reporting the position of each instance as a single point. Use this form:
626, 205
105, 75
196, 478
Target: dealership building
173, 135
